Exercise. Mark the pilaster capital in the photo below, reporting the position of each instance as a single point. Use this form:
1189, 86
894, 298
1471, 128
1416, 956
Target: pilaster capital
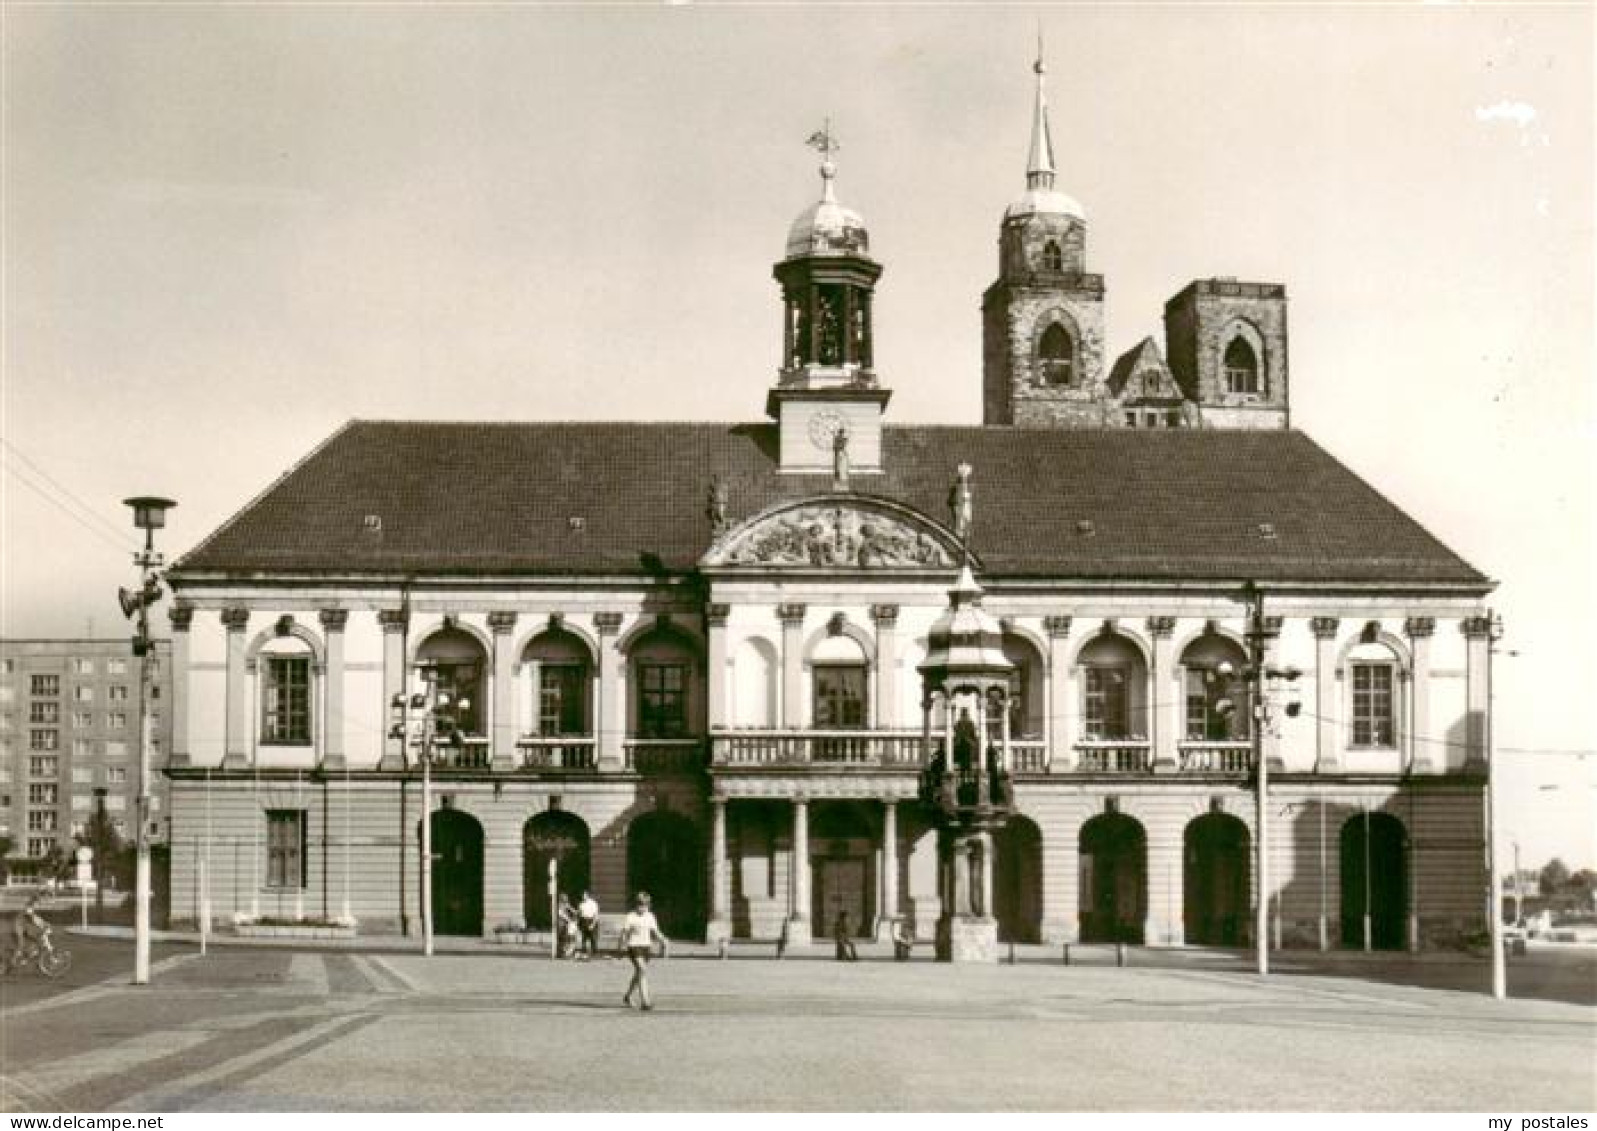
1477, 628
333, 620
716, 614
608, 624
236, 618
790, 614
1417, 627
1324, 628
885, 616
393, 621
1057, 627
181, 616
1161, 626
501, 622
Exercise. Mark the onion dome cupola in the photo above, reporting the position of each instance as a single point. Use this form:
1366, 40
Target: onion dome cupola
827, 400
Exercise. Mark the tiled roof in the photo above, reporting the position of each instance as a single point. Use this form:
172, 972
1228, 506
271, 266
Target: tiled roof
502, 498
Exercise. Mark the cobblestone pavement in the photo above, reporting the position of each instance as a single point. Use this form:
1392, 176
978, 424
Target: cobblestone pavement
348, 1029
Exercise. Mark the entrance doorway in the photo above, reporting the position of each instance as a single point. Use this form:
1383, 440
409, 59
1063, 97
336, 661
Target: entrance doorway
1214, 879
563, 838
1374, 876
457, 873
840, 885
1114, 866
665, 860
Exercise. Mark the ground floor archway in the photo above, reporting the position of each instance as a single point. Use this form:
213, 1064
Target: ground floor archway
665, 857
562, 838
1374, 851
1017, 880
1114, 870
1214, 880
456, 873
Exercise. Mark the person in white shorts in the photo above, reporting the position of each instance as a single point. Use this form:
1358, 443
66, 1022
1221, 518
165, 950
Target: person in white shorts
638, 933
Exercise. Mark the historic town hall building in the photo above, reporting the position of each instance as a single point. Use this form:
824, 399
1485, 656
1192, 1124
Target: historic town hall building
696, 657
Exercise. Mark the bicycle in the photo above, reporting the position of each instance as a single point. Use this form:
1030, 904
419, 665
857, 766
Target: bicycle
52, 963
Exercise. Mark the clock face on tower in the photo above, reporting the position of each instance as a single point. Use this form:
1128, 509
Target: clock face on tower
825, 426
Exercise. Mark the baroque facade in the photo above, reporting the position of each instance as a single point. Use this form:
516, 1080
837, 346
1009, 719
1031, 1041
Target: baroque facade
688, 657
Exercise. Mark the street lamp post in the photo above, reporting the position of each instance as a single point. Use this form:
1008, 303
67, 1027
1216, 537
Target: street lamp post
1261, 810
1494, 633
149, 515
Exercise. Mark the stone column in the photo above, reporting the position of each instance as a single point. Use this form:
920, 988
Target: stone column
720, 925
1059, 750
333, 621
502, 736
887, 909
715, 692
612, 692
1422, 754
1328, 754
236, 751
181, 616
886, 620
394, 622
1477, 688
792, 618
1272, 644
800, 913
1162, 712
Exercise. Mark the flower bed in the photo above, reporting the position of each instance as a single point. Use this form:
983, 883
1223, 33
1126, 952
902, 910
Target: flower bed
267, 927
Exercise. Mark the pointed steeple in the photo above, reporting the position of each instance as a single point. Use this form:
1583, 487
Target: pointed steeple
1040, 162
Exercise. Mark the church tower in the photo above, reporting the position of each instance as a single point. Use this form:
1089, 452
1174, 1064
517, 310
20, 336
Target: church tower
827, 403
1042, 319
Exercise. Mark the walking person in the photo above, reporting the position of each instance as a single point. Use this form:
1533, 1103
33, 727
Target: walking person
844, 939
588, 925
638, 933
566, 929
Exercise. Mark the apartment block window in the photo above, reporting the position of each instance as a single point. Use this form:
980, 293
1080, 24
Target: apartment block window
116, 748
82, 747
7, 666
83, 775
39, 847
83, 667
662, 700
7, 694
45, 685
80, 802
44, 767
7, 720
43, 793
116, 667
116, 775
116, 720
285, 848
1107, 702
83, 694
82, 720
44, 740
5, 775
42, 821
117, 693
115, 803
286, 700
46, 713
1374, 716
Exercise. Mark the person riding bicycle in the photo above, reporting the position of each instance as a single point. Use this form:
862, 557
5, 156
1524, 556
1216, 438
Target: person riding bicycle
27, 924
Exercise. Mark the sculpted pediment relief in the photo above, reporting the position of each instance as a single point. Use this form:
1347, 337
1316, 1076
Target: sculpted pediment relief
842, 533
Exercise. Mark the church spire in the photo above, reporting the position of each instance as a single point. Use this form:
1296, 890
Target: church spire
1040, 162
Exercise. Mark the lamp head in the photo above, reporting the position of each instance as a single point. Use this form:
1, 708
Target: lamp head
149, 511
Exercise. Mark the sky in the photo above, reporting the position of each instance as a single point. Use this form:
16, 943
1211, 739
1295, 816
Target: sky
228, 229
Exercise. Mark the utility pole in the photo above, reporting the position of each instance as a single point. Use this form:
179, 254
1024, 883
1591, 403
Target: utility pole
1494, 633
149, 515
1261, 803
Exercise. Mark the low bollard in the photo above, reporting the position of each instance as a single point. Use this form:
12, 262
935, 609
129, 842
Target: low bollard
1067, 954
1011, 953
1120, 954
723, 948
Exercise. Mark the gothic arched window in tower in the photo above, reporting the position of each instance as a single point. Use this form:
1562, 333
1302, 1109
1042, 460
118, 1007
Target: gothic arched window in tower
1056, 356
1052, 258
1241, 368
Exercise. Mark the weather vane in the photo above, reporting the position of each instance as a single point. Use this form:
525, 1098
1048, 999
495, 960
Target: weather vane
823, 141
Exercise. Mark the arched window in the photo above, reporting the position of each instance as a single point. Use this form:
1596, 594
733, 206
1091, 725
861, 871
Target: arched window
459, 665
1056, 356
1241, 368
1052, 258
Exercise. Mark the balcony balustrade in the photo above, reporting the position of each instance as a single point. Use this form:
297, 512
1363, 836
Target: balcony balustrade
1113, 756
896, 748
556, 752
1028, 756
1216, 757
471, 754
664, 755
